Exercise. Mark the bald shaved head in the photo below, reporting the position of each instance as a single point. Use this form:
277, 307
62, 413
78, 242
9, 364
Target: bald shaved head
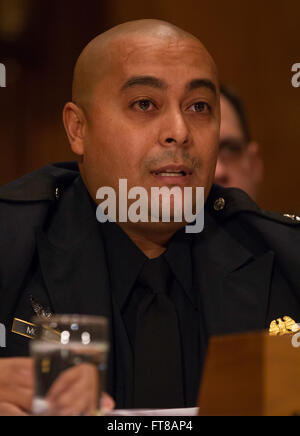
97, 57
145, 100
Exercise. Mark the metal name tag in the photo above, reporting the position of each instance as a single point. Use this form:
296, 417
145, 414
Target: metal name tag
24, 328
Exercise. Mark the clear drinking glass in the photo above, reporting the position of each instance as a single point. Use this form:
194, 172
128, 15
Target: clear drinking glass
63, 342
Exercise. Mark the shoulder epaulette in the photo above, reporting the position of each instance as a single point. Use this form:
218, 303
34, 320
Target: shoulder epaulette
43, 184
284, 218
224, 203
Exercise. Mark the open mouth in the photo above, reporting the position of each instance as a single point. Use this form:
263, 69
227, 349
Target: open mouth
172, 171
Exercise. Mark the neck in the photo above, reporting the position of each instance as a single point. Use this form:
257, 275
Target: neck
152, 244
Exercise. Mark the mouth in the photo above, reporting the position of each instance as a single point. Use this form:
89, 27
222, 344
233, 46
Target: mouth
173, 174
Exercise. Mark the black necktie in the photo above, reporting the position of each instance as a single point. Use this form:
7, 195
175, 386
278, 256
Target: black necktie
158, 365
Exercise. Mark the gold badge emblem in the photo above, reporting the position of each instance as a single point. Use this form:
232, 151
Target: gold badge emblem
283, 327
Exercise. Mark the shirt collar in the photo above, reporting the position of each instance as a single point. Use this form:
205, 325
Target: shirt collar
125, 260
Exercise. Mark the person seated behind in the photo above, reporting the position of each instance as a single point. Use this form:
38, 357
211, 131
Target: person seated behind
239, 161
145, 107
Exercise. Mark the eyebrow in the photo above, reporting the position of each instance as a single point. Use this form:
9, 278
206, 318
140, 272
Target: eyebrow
154, 82
201, 83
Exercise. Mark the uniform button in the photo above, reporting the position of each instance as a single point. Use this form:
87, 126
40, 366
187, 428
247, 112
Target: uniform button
219, 204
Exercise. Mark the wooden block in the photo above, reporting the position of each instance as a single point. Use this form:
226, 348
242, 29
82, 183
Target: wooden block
251, 375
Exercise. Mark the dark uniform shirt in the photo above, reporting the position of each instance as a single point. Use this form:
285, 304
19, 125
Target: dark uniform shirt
245, 270
125, 261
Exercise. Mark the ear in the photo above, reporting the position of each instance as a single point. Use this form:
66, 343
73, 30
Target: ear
256, 162
74, 122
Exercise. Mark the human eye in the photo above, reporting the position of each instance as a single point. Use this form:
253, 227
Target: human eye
232, 146
231, 149
200, 107
144, 105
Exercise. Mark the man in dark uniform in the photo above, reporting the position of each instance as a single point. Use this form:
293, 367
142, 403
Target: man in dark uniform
145, 108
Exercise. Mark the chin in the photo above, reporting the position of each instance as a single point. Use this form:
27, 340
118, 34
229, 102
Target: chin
160, 228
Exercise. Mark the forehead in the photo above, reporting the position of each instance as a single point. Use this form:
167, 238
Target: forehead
166, 57
230, 123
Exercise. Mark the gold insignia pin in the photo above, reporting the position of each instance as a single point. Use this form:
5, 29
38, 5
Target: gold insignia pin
283, 327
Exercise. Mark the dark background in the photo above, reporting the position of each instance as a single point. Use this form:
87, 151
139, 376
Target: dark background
255, 43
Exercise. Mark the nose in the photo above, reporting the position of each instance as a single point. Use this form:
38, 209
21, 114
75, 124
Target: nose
174, 130
221, 174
